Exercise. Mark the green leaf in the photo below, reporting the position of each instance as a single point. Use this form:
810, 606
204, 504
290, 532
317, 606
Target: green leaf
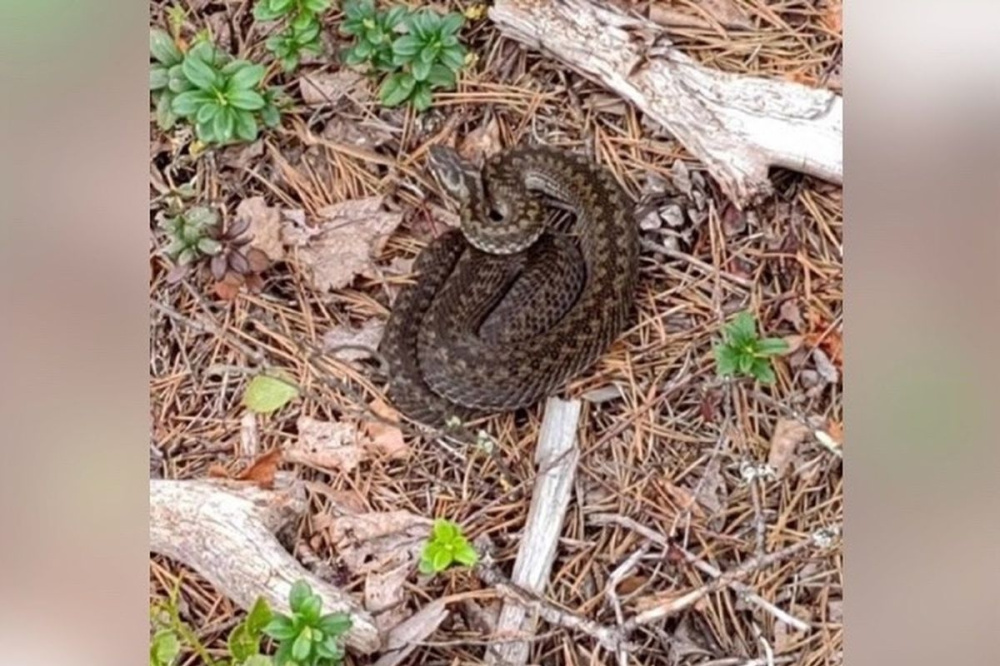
205, 132
164, 648
311, 608
441, 77
306, 31
206, 112
224, 124
246, 78
177, 82
396, 89
772, 346
258, 660
280, 628
466, 554
248, 100
199, 73
158, 77
395, 16
763, 371
453, 57
743, 328
246, 126
205, 52
188, 103
429, 54
363, 49
445, 530
441, 560
726, 360
209, 246
407, 45
302, 646
283, 654
451, 23
316, 6
241, 644
420, 70
335, 624
270, 115
163, 48
744, 363
298, 595
267, 394
165, 117
290, 62
281, 5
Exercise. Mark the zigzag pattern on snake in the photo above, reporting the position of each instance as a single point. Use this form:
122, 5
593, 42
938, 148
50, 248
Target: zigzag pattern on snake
506, 311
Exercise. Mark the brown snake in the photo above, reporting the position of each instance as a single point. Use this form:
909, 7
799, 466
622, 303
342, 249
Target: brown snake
505, 311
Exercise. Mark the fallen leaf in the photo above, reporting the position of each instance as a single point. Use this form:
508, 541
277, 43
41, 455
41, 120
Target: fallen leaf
788, 434
330, 445
265, 226
790, 312
348, 237
328, 87
377, 541
228, 288
384, 438
365, 134
385, 596
711, 487
368, 335
266, 394
262, 470
482, 142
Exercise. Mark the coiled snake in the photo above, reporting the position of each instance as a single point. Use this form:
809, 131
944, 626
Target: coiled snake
504, 310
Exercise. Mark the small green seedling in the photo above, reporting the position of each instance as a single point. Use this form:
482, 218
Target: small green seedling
446, 546
743, 353
223, 99
307, 638
301, 33
191, 235
419, 51
244, 639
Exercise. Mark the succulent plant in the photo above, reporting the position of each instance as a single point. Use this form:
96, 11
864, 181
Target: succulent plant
190, 234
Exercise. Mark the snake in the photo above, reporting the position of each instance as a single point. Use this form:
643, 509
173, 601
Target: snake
506, 308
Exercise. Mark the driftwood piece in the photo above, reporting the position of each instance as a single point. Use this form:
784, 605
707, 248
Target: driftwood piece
556, 457
226, 533
738, 125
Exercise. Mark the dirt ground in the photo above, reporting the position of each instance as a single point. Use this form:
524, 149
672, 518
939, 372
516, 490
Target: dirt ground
666, 445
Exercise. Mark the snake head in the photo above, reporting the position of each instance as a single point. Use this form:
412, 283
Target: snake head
456, 176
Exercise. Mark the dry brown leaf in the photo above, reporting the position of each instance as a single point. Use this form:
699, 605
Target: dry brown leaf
384, 438
377, 541
368, 335
790, 312
325, 444
328, 87
265, 226
366, 134
344, 244
228, 288
262, 470
482, 142
825, 367
712, 487
788, 434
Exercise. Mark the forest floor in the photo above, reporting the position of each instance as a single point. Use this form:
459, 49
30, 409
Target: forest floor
665, 443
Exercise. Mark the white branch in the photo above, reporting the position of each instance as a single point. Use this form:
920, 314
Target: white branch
226, 533
556, 457
739, 126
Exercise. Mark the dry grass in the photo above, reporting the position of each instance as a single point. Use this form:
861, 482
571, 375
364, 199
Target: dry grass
675, 432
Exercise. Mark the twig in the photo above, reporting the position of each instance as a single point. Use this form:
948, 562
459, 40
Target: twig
556, 457
609, 638
743, 590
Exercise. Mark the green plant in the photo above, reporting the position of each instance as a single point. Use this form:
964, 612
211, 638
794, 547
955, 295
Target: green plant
301, 33
224, 99
307, 638
190, 235
244, 639
743, 353
446, 546
425, 57
164, 648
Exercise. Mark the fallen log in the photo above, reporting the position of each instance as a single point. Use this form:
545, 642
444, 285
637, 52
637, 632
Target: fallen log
225, 532
739, 126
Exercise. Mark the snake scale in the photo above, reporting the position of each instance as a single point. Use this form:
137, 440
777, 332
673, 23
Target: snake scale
505, 310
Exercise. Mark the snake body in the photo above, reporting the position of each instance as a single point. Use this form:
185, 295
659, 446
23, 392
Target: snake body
505, 311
